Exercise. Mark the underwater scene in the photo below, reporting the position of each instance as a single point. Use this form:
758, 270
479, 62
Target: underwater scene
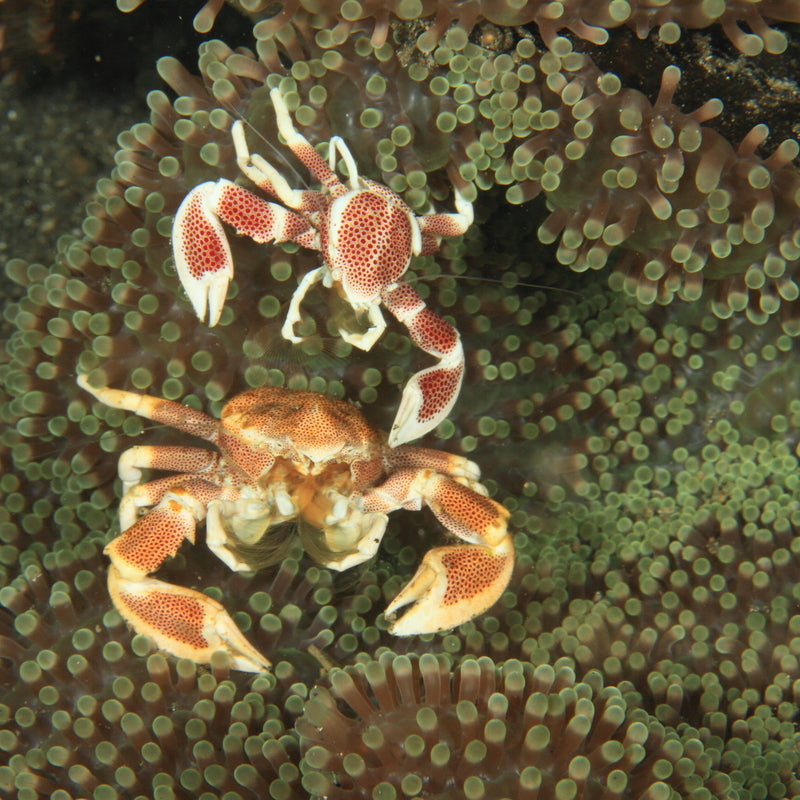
459, 341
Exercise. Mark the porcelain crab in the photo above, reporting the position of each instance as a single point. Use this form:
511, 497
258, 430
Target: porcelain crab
366, 235
291, 455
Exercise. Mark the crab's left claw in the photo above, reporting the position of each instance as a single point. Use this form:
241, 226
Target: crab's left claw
430, 394
452, 584
202, 254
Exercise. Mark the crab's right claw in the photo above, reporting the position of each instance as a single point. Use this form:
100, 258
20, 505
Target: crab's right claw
452, 585
202, 254
182, 621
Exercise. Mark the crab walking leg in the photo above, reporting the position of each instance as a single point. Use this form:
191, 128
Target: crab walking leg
178, 416
452, 584
165, 457
303, 149
184, 622
411, 456
431, 393
439, 225
267, 178
293, 314
145, 495
435, 226
202, 254
377, 325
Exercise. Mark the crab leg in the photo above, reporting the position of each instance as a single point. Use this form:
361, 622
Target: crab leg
452, 584
305, 151
168, 412
266, 177
169, 458
434, 226
377, 325
410, 456
430, 394
146, 495
184, 622
293, 314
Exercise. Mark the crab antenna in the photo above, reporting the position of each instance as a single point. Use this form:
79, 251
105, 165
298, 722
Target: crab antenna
337, 144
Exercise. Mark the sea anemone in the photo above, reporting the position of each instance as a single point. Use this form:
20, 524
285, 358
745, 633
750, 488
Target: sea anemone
403, 725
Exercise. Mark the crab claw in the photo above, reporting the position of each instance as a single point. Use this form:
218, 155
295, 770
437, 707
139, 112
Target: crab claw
202, 254
452, 585
427, 399
429, 395
182, 621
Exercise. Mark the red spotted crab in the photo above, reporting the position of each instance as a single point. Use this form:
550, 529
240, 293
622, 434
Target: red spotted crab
366, 235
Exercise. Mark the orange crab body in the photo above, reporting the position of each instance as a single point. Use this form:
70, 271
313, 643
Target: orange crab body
291, 455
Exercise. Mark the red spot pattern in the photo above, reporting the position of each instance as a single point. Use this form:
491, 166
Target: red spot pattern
246, 212
464, 510
391, 494
254, 463
180, 459
173, 616
180, 417
432, 333
373, 243
302, 420
470, 572
366, 473
438, 387
441, 225
155, 536
404, 301
314, 163
199, 489
202, 248
408, 455
428, 330
256, 218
